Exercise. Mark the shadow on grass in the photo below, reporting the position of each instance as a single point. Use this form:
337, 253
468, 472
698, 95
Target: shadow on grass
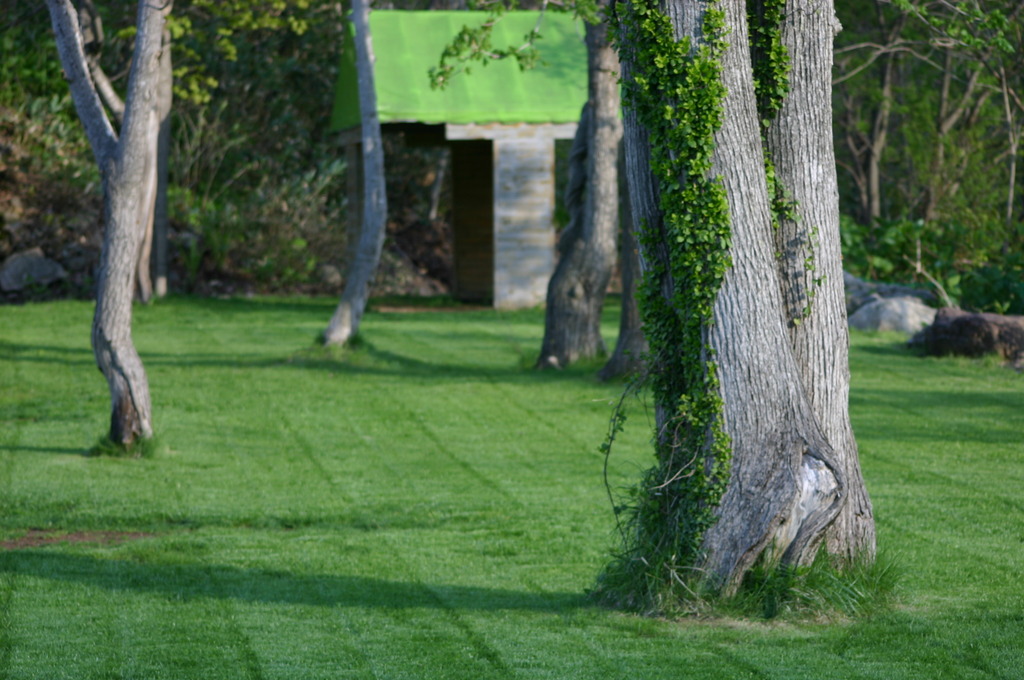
365, 360
369, 360
929, 415
192, 581
46, 354
54, 450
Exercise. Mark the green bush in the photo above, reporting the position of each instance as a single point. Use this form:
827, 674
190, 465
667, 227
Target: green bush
971, 262
996, 287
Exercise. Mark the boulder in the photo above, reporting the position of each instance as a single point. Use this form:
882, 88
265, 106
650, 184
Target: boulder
903, 314
860, 292
330, 275
968, 334
29, 267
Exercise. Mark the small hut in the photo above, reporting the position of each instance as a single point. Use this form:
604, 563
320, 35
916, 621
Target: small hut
500, 123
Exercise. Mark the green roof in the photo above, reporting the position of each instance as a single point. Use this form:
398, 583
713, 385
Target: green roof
407, 43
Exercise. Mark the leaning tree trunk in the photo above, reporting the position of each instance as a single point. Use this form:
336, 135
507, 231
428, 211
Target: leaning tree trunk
345, 322
800, 145
744, 470
128, 204
127, 165
576, 292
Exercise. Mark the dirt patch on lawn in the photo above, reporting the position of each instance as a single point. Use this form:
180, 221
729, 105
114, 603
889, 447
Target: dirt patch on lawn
36, 538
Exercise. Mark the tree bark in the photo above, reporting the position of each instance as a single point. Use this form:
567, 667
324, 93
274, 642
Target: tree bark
799, 142
786, 484
344, 323
152, 261
161, 221
631, 346
576, 292
127, 165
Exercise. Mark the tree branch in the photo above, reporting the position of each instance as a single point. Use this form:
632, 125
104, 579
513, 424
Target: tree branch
98, 128
92, 39
141, 93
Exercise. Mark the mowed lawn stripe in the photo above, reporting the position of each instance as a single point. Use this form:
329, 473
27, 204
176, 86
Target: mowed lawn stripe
429, 506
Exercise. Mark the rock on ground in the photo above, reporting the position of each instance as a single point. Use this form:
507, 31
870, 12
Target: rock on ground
904, 314
969, 334
29, 267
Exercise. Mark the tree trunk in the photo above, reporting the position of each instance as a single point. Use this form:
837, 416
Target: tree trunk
799, 143
143, 276
576, 292
344, 323
128, 166
879, 137
786, 486
165, 95
630, 348
738, 444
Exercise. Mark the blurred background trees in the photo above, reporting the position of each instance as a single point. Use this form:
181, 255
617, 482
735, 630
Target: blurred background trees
928, 123
928, 102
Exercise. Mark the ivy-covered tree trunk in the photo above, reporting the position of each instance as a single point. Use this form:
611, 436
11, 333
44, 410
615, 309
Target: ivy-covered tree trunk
362, 267
744, 471
799, 143
127, 164
576, 292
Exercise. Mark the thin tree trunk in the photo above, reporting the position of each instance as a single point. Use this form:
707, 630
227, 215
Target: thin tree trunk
435, 189
879, 137
799, 142
344, 323
576, 292
127, 165
143, 276
631, 346
1013, 131
161, 222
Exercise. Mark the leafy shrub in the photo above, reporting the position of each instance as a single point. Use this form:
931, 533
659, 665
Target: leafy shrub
973, 263
274, 235
997, 287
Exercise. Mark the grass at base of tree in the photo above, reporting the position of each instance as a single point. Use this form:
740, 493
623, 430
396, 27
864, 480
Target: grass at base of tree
140, 448
822, 591
426, 506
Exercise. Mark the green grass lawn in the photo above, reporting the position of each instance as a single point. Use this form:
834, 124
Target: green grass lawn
429, 507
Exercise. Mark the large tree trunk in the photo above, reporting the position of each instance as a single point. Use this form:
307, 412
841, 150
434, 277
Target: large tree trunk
799, 143
344, 323
786, 487
576, 292
128, 165
761, 468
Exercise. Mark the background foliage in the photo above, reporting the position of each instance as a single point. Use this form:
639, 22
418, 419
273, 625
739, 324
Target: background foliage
929, 93
259, 180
